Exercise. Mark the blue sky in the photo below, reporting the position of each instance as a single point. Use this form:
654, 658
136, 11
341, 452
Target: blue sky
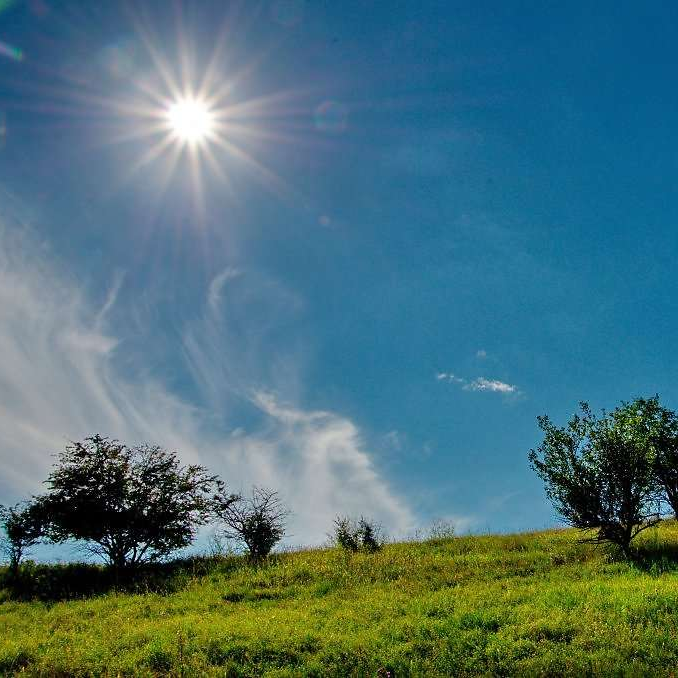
423, 225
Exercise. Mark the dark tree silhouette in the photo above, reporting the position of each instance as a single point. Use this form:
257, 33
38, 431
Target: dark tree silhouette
258, 522
128, 504
599, 472
23, 525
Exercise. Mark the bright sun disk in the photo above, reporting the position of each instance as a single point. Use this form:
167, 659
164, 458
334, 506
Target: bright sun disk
190, 119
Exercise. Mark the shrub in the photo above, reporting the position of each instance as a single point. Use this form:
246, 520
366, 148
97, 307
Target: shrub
361, 535
346, 534
257, 522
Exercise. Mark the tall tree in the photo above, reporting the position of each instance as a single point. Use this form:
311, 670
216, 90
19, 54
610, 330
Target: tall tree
128, 504
600, 472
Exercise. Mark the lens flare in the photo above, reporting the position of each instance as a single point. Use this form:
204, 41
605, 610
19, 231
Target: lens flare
10, 52
190, 120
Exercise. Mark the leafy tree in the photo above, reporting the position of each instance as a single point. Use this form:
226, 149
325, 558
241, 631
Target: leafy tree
23, 525
129, 504
258, 522
599, 472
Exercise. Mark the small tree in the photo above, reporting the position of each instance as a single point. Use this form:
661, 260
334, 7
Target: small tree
23, 525
599, 472
257, 522
130, 505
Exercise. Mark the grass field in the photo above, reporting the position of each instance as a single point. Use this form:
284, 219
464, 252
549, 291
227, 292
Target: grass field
529, 604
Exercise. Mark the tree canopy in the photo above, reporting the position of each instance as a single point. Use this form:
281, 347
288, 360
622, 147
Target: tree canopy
129, 504
600, 472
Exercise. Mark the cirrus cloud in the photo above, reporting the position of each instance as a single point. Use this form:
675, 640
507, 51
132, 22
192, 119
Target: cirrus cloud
65, 374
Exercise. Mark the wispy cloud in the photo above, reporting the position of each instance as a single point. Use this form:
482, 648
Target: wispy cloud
217, 285
323, 464
478, 384
111, 298
492, 385
65, 374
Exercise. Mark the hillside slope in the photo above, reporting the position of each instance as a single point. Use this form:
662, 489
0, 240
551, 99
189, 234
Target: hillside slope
537, 603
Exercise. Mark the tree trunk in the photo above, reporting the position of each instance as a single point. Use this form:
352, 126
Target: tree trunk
14, 566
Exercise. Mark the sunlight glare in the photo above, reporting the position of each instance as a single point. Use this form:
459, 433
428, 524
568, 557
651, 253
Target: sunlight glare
190, 120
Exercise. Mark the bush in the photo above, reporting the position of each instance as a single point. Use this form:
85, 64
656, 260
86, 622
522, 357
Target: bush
361, 535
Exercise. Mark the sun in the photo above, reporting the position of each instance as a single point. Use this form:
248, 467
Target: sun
190, 120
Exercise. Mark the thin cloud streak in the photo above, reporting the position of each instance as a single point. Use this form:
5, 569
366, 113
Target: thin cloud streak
217, 285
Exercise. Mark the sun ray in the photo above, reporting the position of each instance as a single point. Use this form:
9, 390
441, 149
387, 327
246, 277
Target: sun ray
197, 184
159, 62
271, 180
211, 71
152, 154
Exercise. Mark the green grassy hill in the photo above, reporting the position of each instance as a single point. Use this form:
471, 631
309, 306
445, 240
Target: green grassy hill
529, 604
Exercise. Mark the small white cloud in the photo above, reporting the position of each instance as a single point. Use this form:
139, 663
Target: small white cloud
478, 384
481, 354
492, 385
